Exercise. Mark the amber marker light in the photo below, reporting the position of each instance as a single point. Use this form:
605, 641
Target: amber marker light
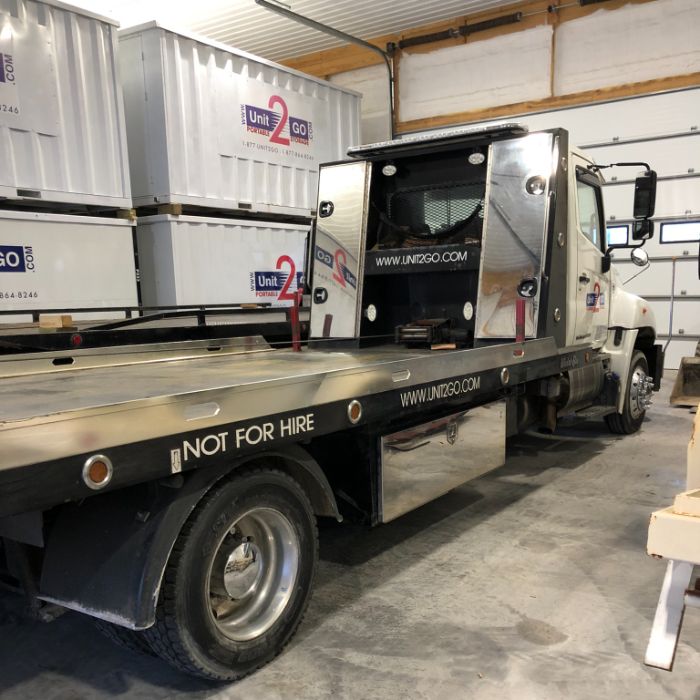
354, 411
97, 472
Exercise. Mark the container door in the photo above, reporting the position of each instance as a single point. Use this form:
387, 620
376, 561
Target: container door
515, 228
592, 285
339, 250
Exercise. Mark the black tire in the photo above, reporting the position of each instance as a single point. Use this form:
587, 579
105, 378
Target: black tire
632, 417
131, 640
188, 632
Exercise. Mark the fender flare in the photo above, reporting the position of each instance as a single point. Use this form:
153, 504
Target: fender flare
105, 557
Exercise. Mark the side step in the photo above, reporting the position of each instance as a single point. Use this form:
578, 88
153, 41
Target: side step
595, 412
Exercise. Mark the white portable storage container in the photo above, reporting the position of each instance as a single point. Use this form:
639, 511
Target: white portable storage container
63, 262
187, 260
62, 134
214, 126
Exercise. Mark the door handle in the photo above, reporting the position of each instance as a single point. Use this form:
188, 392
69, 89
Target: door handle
583, 278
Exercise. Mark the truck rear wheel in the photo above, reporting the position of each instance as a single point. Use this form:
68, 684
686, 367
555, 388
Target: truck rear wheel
239, 578
636, 394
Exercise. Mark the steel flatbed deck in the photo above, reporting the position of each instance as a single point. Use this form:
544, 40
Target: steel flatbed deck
163, 410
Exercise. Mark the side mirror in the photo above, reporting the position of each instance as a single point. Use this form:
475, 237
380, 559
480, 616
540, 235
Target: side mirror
639, 257
642, 230
645, 195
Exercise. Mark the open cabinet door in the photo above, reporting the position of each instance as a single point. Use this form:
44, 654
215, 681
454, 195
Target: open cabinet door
339, 250
515, 229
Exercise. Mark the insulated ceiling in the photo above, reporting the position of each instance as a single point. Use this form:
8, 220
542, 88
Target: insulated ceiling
247, 26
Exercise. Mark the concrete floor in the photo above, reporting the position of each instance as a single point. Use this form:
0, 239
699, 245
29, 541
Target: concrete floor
531, 582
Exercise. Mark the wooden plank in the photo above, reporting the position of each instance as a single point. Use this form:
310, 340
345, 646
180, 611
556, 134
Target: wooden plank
557, 102
171, 208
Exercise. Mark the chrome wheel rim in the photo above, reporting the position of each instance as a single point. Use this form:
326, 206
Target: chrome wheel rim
253, 573
640, 391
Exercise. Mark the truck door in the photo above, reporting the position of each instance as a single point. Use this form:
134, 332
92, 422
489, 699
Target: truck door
587, 277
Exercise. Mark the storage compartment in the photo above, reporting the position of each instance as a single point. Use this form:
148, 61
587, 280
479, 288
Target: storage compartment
55, 261
197, 260
62, 133
212, 126
426, 217
425, 461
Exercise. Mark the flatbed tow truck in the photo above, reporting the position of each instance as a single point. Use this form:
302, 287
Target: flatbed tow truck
460, 291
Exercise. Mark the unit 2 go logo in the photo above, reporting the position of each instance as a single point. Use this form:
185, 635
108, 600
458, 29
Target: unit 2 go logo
17, 258
280, 128
277, 283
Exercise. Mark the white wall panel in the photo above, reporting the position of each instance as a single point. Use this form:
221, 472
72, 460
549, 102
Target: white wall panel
373, 83
630, 44
504, 70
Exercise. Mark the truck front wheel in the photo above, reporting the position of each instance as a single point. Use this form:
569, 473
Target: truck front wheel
636, 395
239, 577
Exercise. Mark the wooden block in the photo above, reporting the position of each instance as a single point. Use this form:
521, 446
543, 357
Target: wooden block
170, 208
55, 321
129, 214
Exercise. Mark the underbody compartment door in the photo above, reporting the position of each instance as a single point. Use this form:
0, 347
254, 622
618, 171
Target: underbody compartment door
420, 463
339, 250
515, 230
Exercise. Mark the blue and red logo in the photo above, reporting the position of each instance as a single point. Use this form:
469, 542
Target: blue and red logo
7, 68
277, 283
279, 127
338, 262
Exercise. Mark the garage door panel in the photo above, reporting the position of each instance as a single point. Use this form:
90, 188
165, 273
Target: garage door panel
673, 198
686, 319
660, 309
654, 281
651, 115
678, 349
655, 248
673, 156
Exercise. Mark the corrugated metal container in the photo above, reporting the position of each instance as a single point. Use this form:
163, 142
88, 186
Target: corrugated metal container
213, 126
198, 260
57, 261
62, 134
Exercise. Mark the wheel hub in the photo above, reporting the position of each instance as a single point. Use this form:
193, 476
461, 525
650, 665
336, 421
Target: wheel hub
253, 573
641, 387
243, 570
